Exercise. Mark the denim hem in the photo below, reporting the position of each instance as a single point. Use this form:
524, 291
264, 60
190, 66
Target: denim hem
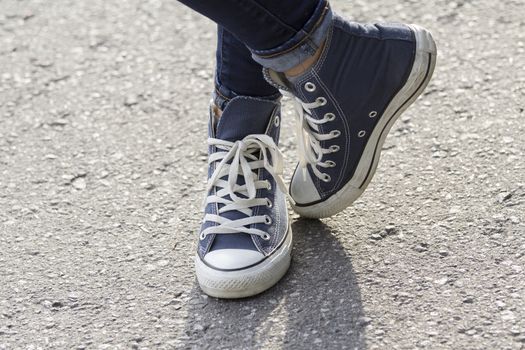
301, 46
222, 95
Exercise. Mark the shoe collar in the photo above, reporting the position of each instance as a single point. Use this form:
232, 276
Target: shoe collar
242, 116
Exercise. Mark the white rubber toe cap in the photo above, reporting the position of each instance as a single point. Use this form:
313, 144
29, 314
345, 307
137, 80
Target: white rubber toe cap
302, 188
231, 259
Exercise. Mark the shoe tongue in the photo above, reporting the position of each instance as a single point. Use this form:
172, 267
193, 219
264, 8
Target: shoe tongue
244, 116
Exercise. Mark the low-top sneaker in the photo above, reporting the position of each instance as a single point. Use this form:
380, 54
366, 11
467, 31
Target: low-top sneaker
245, 239
347, 102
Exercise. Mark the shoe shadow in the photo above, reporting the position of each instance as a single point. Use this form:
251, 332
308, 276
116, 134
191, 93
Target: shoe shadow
316, 305
324, 300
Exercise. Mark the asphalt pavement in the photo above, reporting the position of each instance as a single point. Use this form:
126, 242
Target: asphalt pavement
103, 112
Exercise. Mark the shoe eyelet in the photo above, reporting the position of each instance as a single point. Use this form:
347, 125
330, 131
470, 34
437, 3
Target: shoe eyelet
267, 220
321, 100
269, 203
276, 121
372, 114
361, 133
310, 87
268, 185
266, 237
329, 116
330, 163
335, 133
326, 178
334, 148
202, 237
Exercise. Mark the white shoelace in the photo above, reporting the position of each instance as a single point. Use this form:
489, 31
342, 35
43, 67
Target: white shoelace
242, 158
308, 136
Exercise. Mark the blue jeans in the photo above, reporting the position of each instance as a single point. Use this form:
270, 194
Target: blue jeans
278, 34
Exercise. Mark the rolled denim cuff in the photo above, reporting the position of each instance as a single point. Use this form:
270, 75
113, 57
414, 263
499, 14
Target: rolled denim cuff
222, 95
301, 46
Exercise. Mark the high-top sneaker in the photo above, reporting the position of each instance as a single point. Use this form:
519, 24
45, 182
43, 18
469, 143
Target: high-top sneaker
245, 239
346, 103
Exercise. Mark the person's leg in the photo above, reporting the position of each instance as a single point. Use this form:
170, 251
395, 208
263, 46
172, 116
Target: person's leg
360, 66
237, 74
245, 238
280, 34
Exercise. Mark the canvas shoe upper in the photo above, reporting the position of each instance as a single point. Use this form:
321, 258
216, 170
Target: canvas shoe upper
347, 102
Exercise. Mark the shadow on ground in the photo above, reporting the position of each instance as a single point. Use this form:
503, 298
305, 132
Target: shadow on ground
316, 305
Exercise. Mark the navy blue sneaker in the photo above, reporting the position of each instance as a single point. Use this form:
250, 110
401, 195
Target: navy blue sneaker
245, 239
366, 76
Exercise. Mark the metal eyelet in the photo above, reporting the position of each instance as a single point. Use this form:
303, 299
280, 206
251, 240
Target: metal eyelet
329, 116
372, 114
335, 133
269, 185
361, 133
334, 148
269, 203
330, 163
326, 178
276, 121
266, 237
202, 237
267, 220
310, 87
321, 100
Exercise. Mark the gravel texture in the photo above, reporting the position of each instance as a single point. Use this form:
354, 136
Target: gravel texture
102, 171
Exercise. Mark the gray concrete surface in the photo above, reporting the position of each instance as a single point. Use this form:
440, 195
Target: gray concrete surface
102, 170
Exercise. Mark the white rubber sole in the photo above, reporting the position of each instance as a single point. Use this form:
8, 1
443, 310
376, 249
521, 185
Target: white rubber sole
246, 282
422, 70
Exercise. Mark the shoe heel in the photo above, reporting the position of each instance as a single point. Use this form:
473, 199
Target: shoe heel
424, 40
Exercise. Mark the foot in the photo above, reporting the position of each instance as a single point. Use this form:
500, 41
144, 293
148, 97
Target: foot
347, 102
245, 239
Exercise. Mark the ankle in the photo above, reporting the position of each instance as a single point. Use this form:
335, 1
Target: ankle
306, 64
217, 112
